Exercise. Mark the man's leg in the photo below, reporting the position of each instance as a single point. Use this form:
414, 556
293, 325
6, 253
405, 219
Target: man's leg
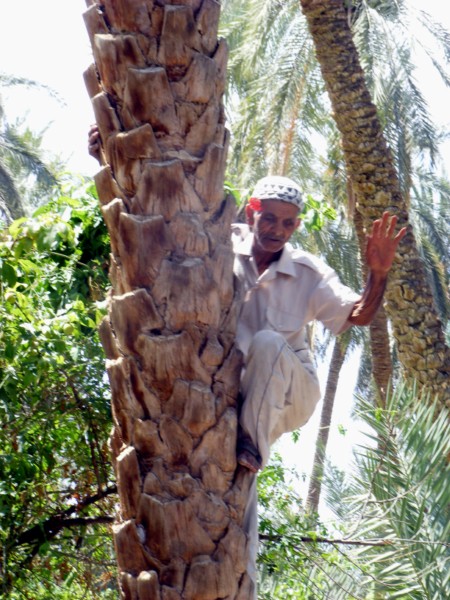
280, 392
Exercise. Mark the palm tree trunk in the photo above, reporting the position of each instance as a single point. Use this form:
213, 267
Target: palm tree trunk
156, 90
417, 329
315, 484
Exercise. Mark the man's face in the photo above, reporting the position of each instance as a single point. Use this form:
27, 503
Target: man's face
273, 225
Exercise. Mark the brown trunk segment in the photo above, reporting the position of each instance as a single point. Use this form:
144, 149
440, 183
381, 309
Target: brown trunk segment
417, 328
156, 88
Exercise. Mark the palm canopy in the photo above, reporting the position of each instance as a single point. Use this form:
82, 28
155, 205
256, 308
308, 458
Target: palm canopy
278, 110
274, 83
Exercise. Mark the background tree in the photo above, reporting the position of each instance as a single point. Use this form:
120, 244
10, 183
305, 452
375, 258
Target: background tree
57, 488
374, 181
20, 154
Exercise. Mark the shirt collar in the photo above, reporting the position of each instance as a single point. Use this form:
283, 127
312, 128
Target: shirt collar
284, 264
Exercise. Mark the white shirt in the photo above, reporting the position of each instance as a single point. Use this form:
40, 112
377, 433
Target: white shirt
292, 292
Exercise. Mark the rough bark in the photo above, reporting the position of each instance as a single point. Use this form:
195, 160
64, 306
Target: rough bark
315, 485
156, 90
417, 329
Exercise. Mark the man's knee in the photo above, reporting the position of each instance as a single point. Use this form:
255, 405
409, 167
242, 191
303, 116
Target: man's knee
267, 341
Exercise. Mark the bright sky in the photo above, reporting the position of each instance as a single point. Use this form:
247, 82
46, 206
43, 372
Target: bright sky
46, 41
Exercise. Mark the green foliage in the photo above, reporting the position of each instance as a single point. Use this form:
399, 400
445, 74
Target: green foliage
316, 213
56, 481
391, 539
295, 561
274, 86
406, 495
399, 499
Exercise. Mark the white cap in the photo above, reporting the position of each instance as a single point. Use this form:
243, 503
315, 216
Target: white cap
275, 187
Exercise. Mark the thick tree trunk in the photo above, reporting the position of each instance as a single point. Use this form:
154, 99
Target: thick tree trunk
315, 485
417, 329
156, 89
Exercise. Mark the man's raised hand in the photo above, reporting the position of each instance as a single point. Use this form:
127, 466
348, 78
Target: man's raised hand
382, 243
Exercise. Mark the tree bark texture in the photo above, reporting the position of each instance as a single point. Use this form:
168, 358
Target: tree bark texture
417, 329
156, 89
315, 485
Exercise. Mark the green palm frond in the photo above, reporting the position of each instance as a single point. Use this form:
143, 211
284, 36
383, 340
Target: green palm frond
7, 80
11, 206
15, 147
439, 34
275, 96
20, 157
405, 495
430, 205
392, 539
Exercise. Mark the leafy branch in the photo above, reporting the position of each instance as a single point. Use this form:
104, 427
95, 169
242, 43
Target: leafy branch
49, 529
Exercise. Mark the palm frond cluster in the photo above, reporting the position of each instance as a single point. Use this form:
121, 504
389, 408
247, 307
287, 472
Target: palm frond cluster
20, 157
275, 98
392, 539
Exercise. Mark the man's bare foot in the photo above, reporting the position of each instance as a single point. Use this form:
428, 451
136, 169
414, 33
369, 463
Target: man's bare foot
247, 455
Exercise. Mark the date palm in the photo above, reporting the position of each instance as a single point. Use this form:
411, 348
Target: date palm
417, 328
156, 90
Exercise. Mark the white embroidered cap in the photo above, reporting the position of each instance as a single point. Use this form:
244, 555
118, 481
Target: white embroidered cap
275, 187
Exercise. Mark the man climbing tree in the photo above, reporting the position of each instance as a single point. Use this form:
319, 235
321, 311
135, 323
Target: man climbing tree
285, 289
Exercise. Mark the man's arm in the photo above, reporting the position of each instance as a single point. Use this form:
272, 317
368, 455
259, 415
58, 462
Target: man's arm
381, 247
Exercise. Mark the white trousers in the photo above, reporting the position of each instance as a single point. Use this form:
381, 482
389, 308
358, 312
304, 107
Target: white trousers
280, 394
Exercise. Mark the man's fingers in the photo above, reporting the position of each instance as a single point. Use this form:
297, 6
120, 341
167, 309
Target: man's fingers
401, 234
391, 227
385, 227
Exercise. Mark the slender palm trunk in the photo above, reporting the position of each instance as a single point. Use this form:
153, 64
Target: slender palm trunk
315, 485
417, 329
156, 90
378, 331
287, 142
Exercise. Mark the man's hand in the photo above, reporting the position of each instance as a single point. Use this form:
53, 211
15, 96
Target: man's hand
382, 244
381, 247
94, 142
